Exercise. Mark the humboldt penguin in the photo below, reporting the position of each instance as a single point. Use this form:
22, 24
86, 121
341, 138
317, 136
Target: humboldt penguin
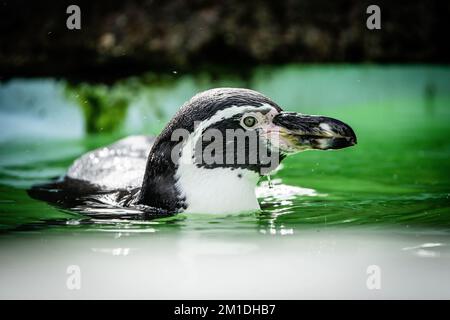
207, 159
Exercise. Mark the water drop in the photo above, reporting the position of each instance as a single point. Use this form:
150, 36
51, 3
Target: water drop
269, 181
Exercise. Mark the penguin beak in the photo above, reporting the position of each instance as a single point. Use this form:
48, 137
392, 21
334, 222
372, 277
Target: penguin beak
299, 132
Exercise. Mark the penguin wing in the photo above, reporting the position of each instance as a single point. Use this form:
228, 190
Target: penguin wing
120, 165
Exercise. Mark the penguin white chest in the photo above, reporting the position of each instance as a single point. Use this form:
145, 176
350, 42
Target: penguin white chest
218, 190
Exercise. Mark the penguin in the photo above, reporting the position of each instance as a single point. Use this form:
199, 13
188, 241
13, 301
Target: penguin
207, 159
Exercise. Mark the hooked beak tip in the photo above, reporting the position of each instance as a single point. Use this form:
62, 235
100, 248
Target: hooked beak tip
317, 132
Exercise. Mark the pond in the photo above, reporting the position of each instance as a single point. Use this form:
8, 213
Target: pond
383, 203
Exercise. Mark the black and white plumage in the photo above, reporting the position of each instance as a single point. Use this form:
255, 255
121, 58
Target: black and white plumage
143, 173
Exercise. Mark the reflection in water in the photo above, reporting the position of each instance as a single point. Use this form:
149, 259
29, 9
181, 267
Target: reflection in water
113, 251
424, 250
277, 199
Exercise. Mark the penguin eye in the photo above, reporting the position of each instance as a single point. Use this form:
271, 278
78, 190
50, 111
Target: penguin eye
250, 121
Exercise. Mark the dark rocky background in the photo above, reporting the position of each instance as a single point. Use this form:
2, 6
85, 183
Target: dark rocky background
119, 38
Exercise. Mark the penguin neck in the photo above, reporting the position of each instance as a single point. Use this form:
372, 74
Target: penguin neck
184, 186
218, 190
158, 187
189, 188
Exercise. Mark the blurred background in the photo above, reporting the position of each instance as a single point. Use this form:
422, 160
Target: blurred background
133, 64
123, 38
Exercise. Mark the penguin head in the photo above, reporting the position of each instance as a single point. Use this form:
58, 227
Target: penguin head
209, 157
243, 129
